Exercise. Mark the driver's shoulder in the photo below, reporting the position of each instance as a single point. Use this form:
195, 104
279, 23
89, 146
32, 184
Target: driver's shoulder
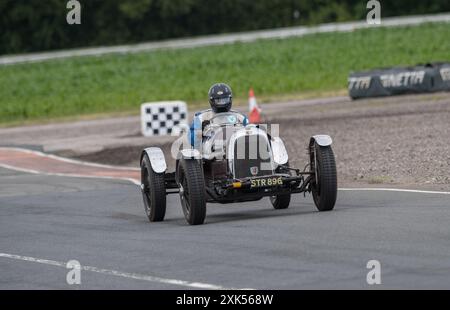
202, 116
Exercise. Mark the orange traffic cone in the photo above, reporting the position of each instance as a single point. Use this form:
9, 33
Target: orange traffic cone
254, 111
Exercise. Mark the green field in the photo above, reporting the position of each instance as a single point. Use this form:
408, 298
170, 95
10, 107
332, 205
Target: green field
120, 83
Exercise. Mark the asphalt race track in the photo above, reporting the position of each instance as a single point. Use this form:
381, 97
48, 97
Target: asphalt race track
45, 221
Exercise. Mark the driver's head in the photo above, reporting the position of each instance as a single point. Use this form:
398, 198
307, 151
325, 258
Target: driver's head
220, 97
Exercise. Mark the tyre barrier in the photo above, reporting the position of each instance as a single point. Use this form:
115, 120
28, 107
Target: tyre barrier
400, 80
163, 118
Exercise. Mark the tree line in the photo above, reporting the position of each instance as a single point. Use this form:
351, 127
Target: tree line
36, 25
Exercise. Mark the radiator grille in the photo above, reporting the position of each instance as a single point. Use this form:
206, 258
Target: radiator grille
251, 157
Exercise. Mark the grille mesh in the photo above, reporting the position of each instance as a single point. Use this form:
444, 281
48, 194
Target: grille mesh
246, 158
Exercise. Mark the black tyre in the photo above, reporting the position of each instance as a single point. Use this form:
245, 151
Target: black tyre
153, 191
324, 184
192, 191
281, 201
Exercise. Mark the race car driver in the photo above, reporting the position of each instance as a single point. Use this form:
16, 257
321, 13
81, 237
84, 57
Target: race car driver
221, 100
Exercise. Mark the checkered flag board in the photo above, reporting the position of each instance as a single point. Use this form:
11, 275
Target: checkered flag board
163, 118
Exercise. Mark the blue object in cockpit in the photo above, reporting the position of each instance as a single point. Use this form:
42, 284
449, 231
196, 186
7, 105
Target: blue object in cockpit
195, 125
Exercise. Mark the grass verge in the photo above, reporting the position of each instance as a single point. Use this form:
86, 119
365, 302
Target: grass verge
289, 68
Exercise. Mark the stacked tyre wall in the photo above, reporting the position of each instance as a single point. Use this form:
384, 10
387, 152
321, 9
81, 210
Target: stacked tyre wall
402, 80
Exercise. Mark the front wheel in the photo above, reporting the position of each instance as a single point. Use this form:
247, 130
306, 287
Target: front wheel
324, 183
192, 191
153, 191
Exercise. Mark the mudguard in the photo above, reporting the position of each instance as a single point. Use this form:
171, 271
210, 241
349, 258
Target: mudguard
189, 154
322, 140
157, 159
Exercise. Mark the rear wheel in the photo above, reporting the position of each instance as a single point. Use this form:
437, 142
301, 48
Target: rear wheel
324, 184
153, 191
192, 191
281, 201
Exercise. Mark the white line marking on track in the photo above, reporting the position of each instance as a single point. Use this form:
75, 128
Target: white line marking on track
68, 160
135, 182
135, 276
20, 169
394, 190
139, 183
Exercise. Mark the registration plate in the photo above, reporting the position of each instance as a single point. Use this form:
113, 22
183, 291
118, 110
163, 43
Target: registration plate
266, 182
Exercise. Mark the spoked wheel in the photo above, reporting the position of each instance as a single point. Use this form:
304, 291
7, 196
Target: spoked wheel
192, 191
153, 191
324, 183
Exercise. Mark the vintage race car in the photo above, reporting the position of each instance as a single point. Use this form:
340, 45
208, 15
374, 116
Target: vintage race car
236, 163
